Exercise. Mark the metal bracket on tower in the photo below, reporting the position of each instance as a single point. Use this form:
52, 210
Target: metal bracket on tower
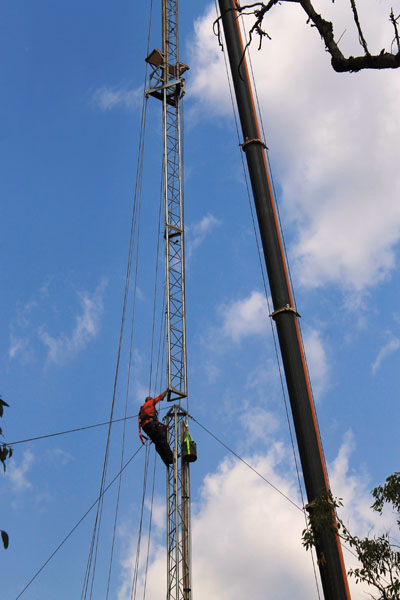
175, 84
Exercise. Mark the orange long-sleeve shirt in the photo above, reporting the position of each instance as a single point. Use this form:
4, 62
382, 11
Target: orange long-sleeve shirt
148, 412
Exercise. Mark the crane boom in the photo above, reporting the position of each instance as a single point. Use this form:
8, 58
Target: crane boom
330, 559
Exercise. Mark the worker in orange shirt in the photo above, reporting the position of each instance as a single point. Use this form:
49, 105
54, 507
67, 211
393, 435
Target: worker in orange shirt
157, 432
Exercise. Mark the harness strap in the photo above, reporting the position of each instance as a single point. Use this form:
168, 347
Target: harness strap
143, 437
141, 434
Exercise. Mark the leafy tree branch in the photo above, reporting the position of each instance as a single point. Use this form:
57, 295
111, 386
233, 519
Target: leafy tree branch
378, 557
5, 452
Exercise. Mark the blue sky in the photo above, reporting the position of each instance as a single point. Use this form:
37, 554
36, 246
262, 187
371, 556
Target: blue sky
72, 80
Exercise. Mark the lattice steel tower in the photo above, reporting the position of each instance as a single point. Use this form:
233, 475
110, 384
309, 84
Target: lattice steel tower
167, 84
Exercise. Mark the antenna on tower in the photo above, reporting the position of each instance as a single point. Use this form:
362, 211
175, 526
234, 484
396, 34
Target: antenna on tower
167, 84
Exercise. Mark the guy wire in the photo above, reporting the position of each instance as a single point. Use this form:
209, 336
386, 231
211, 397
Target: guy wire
262, 266
292, 291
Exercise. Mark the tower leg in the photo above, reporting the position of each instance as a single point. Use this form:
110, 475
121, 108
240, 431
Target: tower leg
178, 511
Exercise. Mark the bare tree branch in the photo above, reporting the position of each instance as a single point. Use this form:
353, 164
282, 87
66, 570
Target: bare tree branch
357, 22
394, 21
340, 63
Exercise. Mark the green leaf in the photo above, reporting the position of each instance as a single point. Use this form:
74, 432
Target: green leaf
2, 403
5, 538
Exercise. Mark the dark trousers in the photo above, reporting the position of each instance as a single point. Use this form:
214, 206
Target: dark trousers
157, 432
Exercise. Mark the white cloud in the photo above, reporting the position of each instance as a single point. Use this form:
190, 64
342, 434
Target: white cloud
263, 384
245, 532
59, 457
238, 533
17, 471
21, 329
316, 360
18, 346
354, 488
156, 577
158, 514
245, 317
342, 483
197, 233
260, 377
247, 537
259, 424
212, 372
391, 346
207, 67
63, 348
107, 98
334, 138
158, 552
24, 312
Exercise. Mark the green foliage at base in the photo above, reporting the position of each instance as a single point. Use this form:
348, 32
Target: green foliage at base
5, 538
5, 452
379, 557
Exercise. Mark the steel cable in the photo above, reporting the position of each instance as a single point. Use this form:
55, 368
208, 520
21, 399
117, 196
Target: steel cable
77, 525
236, 455
134, 225
138, 192
155, 296
247, 464
295, 306
139, 540
124, 420
263, 270
149, 534
49, 435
